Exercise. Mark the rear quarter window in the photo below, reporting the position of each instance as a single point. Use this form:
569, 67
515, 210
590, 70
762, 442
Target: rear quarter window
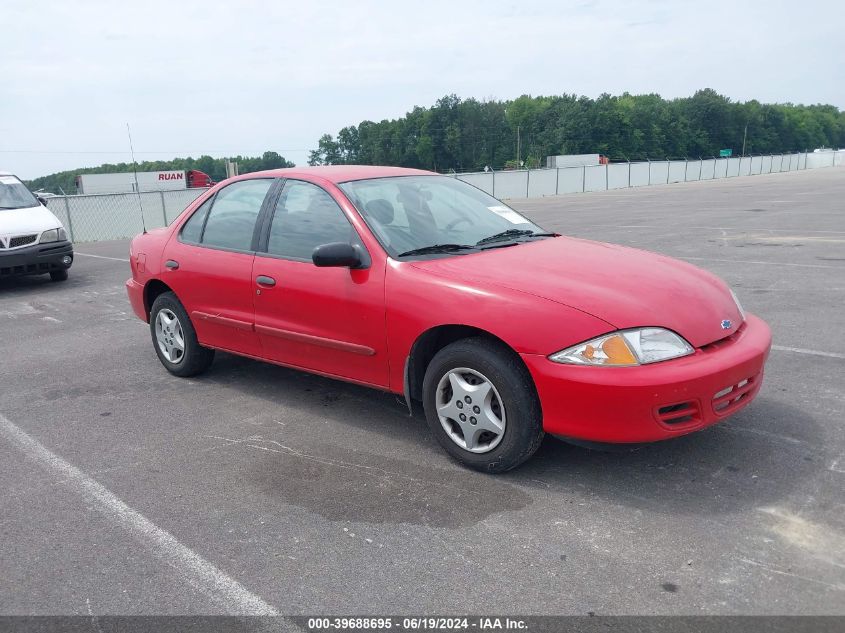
192, 230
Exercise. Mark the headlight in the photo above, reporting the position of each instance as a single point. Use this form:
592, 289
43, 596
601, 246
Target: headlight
738, 305
626, 348
53, 235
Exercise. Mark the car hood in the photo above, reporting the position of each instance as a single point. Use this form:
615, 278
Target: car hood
29, 220
623, 286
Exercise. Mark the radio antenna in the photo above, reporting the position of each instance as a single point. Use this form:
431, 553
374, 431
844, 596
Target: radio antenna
135, 171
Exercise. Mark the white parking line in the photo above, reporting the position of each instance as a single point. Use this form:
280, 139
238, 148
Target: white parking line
708, 228
812, 352
221, 588
752, 261
117, 259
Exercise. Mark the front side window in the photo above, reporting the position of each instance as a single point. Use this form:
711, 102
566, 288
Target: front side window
231, 221
437, 214
307, 217
15, 195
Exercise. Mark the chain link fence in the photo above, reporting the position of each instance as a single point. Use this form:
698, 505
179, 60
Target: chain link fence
118, 216
536, 183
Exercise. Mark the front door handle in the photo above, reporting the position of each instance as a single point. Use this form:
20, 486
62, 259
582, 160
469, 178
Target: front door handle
171, 264
264, 280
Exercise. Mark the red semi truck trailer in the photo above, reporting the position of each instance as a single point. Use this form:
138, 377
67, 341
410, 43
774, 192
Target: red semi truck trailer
146, 181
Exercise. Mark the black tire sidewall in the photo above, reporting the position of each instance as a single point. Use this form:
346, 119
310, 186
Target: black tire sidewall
196, 357
523, 429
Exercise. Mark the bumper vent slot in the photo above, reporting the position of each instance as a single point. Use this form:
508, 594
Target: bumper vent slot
680, 414
732, 397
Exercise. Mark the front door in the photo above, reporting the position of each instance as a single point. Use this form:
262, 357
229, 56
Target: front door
327, 320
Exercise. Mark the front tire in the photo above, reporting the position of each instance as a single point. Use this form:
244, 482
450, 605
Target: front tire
175, 340
58, 275
481, 405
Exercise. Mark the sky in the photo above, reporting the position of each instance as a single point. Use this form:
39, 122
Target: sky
241, 77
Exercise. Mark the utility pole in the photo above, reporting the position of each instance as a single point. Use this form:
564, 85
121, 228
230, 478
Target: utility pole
744, 135
517, 147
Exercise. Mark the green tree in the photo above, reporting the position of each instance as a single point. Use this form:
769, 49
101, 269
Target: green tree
466, 134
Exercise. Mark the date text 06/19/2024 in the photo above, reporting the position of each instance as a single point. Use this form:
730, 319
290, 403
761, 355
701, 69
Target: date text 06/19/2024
415, 624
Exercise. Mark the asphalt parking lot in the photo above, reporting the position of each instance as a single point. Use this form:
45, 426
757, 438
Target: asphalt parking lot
254, 488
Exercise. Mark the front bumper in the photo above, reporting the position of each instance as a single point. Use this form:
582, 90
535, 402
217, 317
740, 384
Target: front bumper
657, 401
38, 259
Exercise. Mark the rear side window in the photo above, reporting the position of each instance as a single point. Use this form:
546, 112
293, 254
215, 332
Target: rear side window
192, 231
231, 221
306, 217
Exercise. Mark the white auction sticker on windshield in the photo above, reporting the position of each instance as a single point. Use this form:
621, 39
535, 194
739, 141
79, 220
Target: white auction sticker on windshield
509, 214
8, 180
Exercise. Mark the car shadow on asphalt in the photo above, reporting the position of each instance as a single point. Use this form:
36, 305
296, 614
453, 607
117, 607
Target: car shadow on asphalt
10, 286
754, 459
369, 462
27, 286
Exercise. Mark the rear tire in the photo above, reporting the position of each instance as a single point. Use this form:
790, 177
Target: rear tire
488, 385
58, 275
175, 340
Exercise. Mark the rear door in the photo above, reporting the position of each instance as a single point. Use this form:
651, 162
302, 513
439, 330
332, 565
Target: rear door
209, 265
328, 320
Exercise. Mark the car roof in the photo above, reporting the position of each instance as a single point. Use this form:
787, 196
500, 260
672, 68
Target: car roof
344, 173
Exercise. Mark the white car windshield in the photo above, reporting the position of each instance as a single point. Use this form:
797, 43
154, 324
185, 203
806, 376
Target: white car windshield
436, 215
14, 194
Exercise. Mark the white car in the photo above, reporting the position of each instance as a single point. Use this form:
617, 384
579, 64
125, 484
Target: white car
32, 239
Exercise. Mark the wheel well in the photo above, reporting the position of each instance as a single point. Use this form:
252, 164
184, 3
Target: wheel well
432, 341
151, 291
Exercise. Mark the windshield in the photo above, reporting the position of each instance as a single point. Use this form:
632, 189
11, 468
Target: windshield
14, 194
437, 215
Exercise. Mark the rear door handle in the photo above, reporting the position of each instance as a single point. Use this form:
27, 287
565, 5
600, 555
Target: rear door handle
171, 264
264, 280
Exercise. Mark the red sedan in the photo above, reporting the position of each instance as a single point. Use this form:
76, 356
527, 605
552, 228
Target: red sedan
422, 285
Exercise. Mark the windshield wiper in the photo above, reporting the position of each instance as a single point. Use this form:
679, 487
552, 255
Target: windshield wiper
437, 248
504, 235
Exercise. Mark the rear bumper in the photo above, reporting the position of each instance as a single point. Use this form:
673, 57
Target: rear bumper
36, 260
135, 291
653, 402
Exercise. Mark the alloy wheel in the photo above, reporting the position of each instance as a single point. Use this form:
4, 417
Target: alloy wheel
470, 410
169, 336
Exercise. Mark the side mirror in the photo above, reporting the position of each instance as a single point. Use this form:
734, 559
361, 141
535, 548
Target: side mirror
41, 200
337, 254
